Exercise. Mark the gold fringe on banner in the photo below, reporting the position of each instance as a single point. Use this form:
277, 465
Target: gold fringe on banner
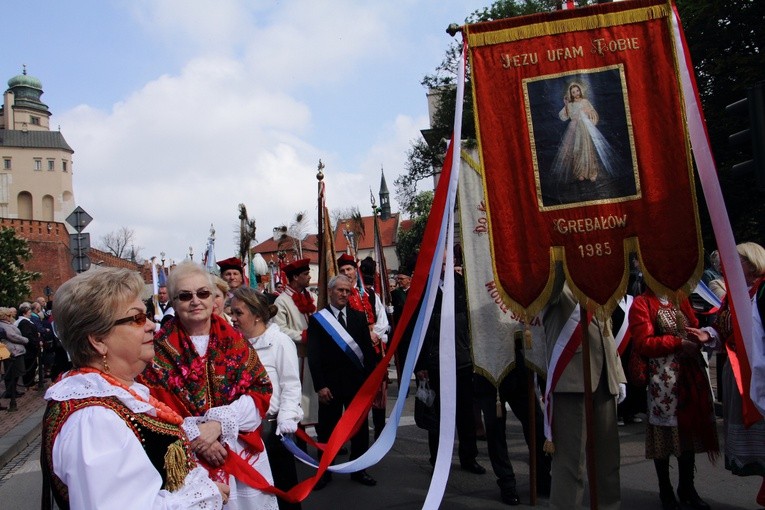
567, 25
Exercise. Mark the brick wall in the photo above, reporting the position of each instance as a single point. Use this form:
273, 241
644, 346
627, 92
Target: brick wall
49, 244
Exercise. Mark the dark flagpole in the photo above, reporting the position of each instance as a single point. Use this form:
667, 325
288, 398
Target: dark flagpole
532, 399
321, 302
588, 411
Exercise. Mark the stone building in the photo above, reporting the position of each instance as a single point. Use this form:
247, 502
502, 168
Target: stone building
36, 192
35, 162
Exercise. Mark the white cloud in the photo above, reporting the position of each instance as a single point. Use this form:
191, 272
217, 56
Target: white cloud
236, 122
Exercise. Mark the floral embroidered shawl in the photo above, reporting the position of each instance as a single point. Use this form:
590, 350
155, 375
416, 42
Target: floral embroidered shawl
192, 384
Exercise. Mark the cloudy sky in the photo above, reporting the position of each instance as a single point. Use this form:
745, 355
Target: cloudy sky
179, 110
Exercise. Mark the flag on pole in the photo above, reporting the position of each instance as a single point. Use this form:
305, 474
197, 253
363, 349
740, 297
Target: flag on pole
161, 277
327, 262
209, 259
382, 284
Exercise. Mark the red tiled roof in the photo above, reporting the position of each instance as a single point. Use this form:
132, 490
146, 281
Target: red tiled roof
388, 233
269, 249
406, 225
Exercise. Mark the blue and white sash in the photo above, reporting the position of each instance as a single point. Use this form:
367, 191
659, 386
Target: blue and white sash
341, 337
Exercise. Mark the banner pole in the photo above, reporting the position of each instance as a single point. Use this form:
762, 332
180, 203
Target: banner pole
588, 412
532, 401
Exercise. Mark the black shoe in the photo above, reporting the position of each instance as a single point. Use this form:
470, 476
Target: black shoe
668, 501
363, 478
473, 467
323, 481
543, 486
510, 497
689, 498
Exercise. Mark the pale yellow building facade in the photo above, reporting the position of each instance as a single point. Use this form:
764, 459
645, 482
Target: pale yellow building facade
35, 162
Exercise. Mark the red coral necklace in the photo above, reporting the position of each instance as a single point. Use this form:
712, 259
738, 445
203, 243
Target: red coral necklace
164, 412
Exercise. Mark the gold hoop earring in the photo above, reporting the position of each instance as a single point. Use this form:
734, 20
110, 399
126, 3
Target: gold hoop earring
106, 365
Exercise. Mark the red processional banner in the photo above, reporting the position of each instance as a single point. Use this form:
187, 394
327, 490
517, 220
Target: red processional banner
584, 146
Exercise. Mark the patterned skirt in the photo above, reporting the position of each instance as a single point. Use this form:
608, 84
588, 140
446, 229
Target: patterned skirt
744, 447
661, 442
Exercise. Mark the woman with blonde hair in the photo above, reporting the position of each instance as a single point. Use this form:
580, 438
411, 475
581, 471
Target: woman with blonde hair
107, 443
744, 445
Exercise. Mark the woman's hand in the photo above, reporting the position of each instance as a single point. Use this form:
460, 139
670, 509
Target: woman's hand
209, 433
698, 334
215, 455
224, 491
421, 374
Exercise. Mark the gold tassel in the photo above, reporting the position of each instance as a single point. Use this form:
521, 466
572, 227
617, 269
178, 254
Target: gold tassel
176, 466
527, 336
499, 405
549, 447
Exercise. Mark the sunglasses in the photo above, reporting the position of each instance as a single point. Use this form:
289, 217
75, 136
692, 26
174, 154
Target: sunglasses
187, 295
139, 319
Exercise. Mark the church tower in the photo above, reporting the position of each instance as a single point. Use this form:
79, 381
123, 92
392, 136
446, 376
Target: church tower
35, 162
384, 198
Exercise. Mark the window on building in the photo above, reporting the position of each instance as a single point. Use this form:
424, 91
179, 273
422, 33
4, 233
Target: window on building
35, 121
38, 164
6, 163
64, 166
51, 165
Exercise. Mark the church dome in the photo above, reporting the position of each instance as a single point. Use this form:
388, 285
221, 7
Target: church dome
24, 80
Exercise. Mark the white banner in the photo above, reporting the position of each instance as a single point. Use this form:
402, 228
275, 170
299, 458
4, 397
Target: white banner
493, 327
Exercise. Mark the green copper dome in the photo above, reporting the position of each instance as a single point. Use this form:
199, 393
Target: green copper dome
27, 91
24, 80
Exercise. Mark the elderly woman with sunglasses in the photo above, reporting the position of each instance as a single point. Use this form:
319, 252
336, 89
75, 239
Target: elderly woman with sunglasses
107, 443
208, 373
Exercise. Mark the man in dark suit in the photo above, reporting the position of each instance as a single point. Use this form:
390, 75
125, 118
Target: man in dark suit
340, 356
164, 302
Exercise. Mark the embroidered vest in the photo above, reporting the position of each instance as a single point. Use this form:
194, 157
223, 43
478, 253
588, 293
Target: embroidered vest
165, 444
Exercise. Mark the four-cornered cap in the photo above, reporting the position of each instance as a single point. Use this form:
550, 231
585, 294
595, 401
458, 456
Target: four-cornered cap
345, 260
296, 267
232, 263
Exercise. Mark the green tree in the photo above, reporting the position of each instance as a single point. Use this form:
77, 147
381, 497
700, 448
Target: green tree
727, 46
425, 157
14, 279
409, 240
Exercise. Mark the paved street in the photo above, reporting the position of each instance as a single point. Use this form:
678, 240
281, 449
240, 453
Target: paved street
404, 474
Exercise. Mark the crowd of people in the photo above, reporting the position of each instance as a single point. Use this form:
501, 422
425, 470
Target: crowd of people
26, 333
182, 400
